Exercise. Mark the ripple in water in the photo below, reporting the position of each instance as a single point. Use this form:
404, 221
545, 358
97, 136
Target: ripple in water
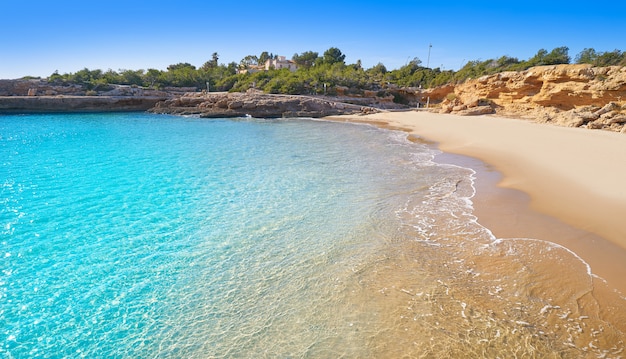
134, 235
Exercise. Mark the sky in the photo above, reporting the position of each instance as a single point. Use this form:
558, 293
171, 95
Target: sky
39, 37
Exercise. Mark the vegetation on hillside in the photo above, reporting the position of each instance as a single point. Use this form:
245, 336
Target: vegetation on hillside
323, 74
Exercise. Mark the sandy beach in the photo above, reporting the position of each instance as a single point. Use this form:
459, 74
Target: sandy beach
565, 185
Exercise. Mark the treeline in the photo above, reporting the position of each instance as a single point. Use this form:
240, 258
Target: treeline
559, 55
323, 74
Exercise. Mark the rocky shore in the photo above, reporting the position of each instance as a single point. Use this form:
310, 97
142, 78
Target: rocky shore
564, 95
256, 104
47, 104
40, 96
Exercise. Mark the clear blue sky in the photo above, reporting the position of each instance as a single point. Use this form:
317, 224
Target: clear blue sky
38, 37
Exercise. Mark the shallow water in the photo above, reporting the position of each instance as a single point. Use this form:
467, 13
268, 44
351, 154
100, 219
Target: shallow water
135, 235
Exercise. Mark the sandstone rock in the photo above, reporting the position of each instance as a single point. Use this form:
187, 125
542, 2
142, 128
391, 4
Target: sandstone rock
619, 118
37, 104
611, 106
574, 122
473, 102
588, 116
235, 105
595, 125
479, 110
613, 117
222, 103
257, 105
567, 95
248, 105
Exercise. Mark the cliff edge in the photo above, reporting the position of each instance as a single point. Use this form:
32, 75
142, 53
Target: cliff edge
49, 104
566, 95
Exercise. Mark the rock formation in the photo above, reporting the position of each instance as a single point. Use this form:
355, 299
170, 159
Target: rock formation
567, 95
36, 96
255, 104
45, 104
39, 87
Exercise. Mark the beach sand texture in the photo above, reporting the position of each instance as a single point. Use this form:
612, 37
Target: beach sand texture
576, 175
537, 181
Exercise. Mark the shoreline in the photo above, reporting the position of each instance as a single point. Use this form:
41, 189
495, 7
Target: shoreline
562, 185
11, 105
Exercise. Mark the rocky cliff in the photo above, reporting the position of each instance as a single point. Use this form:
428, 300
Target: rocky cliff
44, 104
39, 87
29, 96
256, 104
567, 95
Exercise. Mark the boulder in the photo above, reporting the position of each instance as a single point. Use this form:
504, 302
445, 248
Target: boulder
475, 111
611, 106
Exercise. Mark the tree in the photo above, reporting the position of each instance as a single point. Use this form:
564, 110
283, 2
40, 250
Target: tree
305, 59
182, 75
377, 72
181, 65
132, 77
587, 56
87, 76
538, 59
610, 58
55, 77
505, 62
211, 64
333, 56
557, 56
248, 61
264, 57
152, 76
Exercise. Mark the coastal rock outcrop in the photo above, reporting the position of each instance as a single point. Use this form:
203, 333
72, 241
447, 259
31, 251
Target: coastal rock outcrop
255, 104
41, 87
566, 95
44, 104
38, 95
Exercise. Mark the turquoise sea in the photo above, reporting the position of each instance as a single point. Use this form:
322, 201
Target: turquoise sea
150, 236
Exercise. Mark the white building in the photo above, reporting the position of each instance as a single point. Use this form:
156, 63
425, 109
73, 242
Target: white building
280, 62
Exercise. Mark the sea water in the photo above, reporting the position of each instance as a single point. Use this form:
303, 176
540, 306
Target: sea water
151, 236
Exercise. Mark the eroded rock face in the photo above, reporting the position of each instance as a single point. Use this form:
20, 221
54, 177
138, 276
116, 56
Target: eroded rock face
255, 104
39, 87
43, 104
567, 95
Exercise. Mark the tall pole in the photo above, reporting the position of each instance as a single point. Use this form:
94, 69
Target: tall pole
428, 60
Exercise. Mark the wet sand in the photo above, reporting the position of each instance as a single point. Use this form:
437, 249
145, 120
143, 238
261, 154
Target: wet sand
563, 185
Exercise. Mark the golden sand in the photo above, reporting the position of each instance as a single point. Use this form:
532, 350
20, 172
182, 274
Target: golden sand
565, 185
